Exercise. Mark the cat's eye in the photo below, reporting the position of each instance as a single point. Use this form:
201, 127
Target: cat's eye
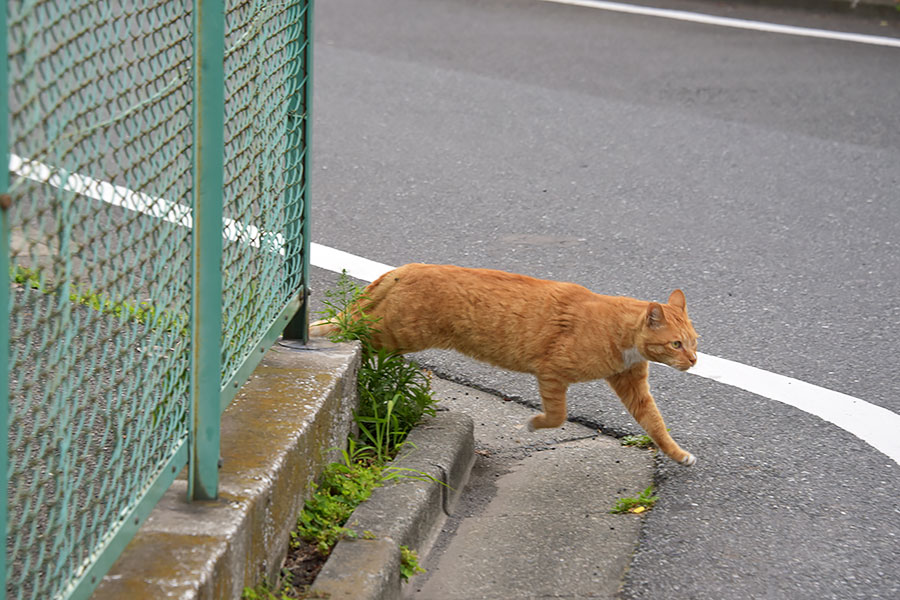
676, 344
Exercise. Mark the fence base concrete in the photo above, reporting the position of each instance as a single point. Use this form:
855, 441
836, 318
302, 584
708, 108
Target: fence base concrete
409, 511
275, 438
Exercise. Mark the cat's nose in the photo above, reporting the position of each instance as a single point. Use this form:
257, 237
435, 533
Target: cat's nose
693, 359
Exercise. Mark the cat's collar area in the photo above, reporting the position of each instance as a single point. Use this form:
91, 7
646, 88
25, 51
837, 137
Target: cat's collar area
631, 356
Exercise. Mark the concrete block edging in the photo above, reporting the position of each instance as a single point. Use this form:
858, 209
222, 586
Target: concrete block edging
275, 438
404, 512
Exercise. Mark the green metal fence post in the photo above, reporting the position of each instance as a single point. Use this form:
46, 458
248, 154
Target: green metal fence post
298, 327
4, 293
206, 300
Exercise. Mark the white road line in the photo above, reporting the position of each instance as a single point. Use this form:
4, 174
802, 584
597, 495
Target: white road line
682, 15
877, 426
120, 196
338, 260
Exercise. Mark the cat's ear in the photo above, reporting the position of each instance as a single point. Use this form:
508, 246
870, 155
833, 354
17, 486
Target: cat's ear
655, 316
676, 299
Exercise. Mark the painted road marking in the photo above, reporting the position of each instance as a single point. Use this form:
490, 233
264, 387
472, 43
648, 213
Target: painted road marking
876, 426
683, 15
120, 196
338, 260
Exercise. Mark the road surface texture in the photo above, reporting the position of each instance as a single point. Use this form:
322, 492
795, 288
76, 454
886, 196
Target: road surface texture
759, 172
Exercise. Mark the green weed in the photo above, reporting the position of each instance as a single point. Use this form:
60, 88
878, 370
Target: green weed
642, 502
638, 441
394, 393
409, 563
394, 396
142, 312
287, 591
342, 487
352, 323
26, 276
262, 591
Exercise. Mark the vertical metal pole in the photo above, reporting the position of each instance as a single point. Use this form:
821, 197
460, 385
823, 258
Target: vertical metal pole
4, 293
206, 296
307, 165
298, 327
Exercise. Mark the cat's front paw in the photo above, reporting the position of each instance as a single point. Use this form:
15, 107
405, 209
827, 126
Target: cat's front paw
688, 460
529, 424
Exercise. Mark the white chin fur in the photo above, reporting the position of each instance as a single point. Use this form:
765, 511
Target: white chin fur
689, 460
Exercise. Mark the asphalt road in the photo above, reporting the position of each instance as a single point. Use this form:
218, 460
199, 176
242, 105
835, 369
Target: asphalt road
758, 172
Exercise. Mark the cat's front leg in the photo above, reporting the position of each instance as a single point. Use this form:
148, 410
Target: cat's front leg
633, 390
553, 401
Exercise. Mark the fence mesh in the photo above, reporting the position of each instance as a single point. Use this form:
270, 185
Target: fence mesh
265, 82
100, 122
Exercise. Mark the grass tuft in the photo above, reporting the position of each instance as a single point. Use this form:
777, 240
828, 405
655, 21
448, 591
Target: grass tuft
394, 396
638, 441
638, 504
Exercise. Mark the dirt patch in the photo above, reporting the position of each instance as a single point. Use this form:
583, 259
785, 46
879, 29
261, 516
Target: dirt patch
303, 562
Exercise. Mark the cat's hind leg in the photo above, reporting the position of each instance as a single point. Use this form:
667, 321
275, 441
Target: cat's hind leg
553, 401
634, 392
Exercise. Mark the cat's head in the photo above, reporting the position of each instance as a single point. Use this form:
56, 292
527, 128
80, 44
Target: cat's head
667, 335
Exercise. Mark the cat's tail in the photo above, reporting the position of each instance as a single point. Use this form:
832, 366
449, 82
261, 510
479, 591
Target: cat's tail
371, 296
322, 328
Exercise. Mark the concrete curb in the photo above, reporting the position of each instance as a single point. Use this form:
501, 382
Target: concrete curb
297, 403
405, 512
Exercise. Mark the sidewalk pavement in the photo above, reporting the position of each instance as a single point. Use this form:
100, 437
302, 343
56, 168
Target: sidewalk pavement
532, 522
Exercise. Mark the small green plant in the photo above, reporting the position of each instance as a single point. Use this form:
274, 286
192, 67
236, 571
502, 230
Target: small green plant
394, 393
638, 441
394, 396
642, 502
142, 312
263, 591
341, 309
379, 428
25, 276
386, 377
340, 490
409, 563
342, 487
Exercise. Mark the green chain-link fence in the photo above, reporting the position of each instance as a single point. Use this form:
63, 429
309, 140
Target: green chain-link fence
145, 277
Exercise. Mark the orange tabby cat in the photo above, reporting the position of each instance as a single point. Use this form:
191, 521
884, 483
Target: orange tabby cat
560, 332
